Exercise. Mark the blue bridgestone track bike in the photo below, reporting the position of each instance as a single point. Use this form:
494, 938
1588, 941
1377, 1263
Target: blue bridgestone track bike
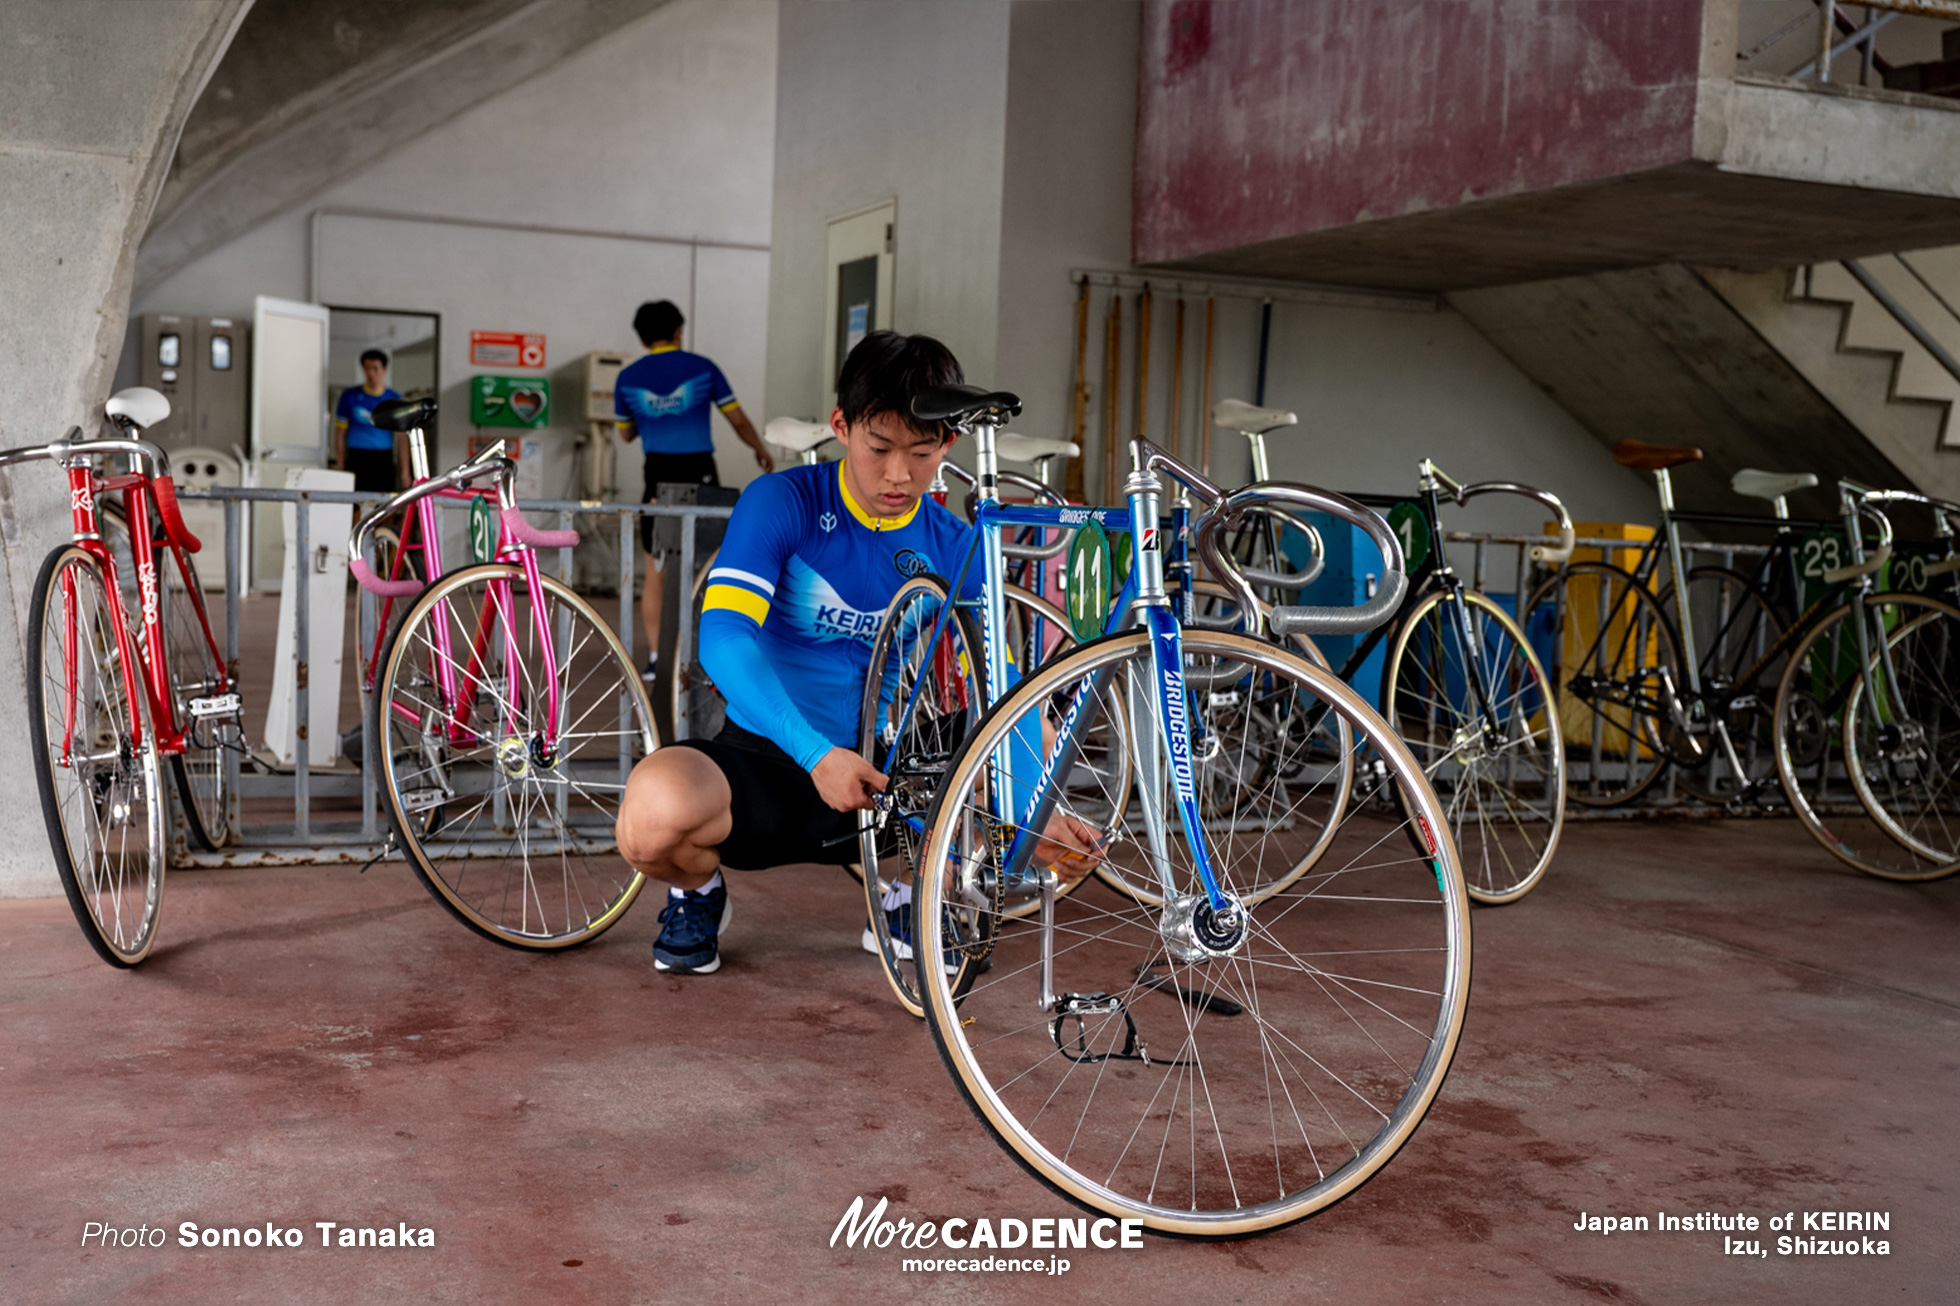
1233, 1058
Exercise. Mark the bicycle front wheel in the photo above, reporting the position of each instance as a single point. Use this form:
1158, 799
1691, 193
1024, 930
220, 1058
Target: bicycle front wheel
505, 814
1211, 1074
1255, 740
1874, 783
101, 789
1492, 750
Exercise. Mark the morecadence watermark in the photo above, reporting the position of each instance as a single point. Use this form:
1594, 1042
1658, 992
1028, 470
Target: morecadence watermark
870, 1229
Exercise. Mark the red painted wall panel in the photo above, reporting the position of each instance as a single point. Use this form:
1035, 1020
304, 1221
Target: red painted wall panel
1260, 119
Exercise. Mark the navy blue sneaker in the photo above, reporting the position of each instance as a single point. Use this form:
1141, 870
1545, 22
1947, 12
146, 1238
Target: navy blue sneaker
689, 942
898, 924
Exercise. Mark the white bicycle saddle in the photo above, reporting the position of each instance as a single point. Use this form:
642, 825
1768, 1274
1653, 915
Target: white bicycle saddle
1237, 415
139, 406
795, 435
1018, 448
1770, 485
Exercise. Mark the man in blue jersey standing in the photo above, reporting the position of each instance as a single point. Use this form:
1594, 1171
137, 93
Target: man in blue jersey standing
812, 557
378, 458
664, 400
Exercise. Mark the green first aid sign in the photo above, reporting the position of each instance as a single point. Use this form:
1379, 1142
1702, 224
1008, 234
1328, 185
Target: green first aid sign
510, 401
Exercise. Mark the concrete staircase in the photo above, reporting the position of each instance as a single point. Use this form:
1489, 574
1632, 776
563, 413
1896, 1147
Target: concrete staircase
1800, 370
1860, 357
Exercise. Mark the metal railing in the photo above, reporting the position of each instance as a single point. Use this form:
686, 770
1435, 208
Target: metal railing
1903, 316
313, 837
1834, 34
310, 837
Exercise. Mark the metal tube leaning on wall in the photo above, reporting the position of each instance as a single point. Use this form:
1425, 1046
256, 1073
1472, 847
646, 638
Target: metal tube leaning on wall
1177, 380
1204, 394
1112, 394
1072, 486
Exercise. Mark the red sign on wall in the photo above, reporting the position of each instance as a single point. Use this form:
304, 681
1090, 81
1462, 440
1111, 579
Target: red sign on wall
506, 349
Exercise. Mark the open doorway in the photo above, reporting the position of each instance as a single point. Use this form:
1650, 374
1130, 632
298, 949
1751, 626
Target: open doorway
412, 342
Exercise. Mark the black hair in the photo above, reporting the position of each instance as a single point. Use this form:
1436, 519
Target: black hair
657, 321
886, 370
375, 354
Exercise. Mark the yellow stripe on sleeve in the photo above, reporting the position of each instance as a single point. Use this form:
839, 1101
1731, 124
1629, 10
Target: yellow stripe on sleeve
733, 598
728, 403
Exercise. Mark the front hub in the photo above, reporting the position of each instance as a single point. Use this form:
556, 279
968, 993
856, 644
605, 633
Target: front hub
514, 757
1194, 930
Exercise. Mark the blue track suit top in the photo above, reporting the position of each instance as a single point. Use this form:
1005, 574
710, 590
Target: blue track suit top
795, 598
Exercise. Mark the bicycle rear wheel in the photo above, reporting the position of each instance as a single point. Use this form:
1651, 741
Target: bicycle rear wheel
943, 684
197, 680
1735, 625
101, 790
1879, 794
508, 823
1501, 776
1209, 1079
1617, 670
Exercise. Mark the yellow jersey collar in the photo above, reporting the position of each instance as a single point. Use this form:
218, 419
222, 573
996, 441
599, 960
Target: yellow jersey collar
867, 520
662, 349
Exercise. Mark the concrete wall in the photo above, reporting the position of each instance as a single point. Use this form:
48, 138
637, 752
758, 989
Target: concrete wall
1065, 195
94, 97
1377, 388
1263, 118
638, 168
879, 99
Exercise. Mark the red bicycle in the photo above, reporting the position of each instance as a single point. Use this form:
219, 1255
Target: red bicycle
112, 692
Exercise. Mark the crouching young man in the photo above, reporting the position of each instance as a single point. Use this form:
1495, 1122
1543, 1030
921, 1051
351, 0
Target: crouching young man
810, 562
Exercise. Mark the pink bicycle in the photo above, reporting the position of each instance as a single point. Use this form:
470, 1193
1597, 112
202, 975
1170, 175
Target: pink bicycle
111, 692
503, 720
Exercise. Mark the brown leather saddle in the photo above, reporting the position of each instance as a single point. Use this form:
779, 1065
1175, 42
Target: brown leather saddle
1644, 457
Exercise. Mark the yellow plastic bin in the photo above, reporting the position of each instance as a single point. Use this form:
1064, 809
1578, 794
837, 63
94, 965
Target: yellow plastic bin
1581, 626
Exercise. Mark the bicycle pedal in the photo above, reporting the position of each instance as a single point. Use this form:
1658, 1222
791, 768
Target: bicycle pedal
421, 800
216, 705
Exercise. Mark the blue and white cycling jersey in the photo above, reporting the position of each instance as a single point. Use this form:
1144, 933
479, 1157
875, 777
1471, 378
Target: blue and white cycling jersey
667, 397
795, 597
356, 408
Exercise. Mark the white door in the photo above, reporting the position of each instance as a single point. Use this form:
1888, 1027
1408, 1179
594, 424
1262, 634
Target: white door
858, 261
289, 414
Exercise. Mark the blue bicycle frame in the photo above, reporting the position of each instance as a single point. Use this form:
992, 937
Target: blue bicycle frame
1143, 591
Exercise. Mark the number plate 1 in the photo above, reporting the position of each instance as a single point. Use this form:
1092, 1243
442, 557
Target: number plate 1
1411, 527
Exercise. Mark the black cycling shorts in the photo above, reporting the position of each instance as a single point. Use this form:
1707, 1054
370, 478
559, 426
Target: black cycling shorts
374, 470
779, 818
673, 469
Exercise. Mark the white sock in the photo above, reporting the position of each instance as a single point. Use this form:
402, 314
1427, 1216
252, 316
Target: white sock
896, 896
715, 883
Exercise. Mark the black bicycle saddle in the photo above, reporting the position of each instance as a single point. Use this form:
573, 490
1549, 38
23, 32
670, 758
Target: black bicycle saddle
404, 414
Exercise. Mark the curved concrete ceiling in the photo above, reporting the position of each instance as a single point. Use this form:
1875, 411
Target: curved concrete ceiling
314, 90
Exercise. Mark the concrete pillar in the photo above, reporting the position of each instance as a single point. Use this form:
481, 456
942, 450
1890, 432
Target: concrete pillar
95, 94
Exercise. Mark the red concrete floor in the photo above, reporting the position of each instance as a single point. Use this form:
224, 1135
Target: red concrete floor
1685, 1018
